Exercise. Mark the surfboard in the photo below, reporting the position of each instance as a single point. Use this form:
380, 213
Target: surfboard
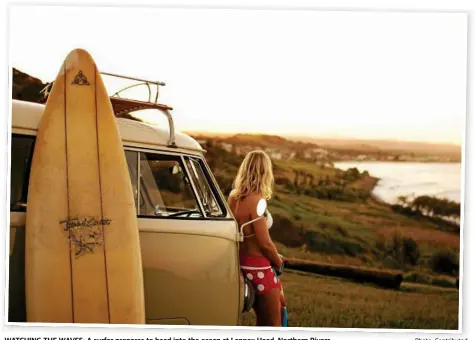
82, 258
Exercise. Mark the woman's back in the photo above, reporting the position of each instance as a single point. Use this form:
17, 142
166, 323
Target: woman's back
244, 210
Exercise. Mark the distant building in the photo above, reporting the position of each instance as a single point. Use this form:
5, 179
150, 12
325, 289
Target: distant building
244, 149
307, 154
275, 155
361, 157
226, 146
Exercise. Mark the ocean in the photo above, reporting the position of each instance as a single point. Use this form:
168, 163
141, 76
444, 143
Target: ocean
405, 179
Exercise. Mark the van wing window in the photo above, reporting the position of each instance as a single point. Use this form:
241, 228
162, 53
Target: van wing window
208, 198
165, 189
21, 155
133, 164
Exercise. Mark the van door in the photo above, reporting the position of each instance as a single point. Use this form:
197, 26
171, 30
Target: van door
188, 241
21, 154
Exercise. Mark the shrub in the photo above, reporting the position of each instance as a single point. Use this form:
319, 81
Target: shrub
351, 174
444, 262
391, 262
333, 192
398, 251
428, 205
283, 181
381, 243
410, 251
285, 231
342, 230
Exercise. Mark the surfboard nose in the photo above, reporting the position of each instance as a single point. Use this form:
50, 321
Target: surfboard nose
78, 57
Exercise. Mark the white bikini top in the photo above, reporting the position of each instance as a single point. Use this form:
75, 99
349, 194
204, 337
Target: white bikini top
267, 215
269, 221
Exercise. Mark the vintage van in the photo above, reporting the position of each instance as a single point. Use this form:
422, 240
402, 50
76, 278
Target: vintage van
189, 238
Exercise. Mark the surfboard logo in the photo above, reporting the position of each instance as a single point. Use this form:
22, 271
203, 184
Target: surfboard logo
86, 233
80, 79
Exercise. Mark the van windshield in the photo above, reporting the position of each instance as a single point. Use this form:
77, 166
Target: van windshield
207, 197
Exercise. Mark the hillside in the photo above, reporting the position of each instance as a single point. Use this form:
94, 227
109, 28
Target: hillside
329, 215
451, 151
334, 150
28, 88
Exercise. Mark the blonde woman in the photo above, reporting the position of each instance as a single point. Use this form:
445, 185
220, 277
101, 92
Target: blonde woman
258, 254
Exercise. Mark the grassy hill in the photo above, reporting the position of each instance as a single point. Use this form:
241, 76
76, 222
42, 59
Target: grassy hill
327, 214
386, 147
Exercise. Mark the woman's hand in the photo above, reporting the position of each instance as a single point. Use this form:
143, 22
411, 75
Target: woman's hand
278, 266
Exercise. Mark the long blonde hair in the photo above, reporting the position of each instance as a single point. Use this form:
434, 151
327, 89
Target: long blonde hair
254, 176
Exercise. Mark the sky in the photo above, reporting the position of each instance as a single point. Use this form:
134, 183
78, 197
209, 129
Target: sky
328, 74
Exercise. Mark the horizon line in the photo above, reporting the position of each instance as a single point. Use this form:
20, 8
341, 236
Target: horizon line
334, 138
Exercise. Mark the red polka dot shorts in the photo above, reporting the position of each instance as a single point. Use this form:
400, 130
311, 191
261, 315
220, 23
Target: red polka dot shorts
259, 271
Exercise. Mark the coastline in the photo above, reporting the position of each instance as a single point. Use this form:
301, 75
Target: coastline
396, 179
369, 183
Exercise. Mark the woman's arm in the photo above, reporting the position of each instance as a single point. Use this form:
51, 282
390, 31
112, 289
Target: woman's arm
264, 240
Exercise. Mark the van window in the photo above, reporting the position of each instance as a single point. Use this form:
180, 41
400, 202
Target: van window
132, 162
165, 189
208, 199
160, 183
21, 154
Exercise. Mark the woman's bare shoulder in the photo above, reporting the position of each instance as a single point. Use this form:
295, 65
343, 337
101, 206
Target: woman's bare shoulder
231, 196
253, 198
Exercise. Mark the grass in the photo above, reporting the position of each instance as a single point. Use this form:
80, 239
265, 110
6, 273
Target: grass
342, 225
319, 301
429, 279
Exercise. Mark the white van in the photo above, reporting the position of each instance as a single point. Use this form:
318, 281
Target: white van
189, 238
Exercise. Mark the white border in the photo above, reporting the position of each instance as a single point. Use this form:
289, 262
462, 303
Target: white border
394, 6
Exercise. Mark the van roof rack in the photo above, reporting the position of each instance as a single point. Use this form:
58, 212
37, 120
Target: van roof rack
123, 106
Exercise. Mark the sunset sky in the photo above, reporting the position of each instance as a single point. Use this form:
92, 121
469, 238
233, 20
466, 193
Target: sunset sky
317, 73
